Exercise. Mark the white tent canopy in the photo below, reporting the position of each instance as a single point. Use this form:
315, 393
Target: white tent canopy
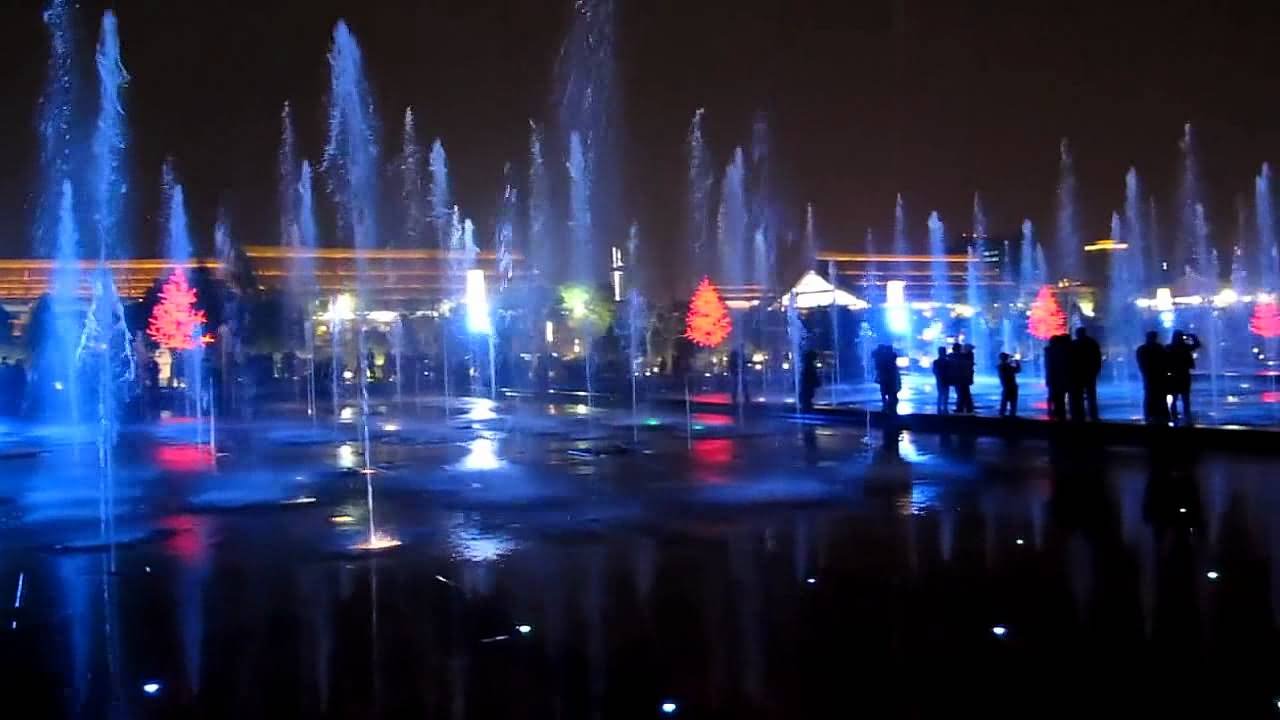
814, 291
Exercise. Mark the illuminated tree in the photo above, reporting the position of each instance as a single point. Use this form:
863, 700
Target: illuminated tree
175, 323
585, 307
1046, 318
707, 323
1265, 320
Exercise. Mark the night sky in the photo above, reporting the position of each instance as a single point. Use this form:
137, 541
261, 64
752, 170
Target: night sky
933, 98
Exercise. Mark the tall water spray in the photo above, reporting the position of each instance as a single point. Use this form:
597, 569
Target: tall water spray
1135, 234
1067, 230
1193, 251
700, 180
975, 298
731, 226
1267, 254
351, 161
937, 258
303, 276
287, 177
440, 199
581, 233
809, 250
541, 255
413, 219
637, 321
899, 234
56, 142
585, 79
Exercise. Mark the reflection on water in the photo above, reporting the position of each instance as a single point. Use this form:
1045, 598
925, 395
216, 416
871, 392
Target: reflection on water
643, 584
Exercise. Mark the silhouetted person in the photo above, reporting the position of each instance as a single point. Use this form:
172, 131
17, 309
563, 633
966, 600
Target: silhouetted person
1057, 374
964, 380
1153, 363
1086, 365
735, 376
1182, 360
1007, 371
809, 380
942, 380
887, 377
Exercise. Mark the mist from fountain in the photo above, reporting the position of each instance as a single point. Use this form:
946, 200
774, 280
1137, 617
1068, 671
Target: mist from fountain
1068, 227
351, 161
58, 356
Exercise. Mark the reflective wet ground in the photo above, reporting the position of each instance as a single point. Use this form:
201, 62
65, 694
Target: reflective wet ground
558, 562
1245, 400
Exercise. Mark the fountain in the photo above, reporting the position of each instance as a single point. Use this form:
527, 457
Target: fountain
1266, 252
1068, 233
979, 334
637, 320
731, 224
937, 259
700, 182
302, 273
541, 254
900, 248
351, 160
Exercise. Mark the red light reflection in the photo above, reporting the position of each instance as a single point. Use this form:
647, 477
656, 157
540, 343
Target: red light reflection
183, 458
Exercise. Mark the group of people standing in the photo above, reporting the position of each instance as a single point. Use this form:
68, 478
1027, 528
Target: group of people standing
955, 371
1166, 376
1071, 370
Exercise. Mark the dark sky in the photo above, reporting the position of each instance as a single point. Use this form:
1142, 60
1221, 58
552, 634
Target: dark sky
957, 96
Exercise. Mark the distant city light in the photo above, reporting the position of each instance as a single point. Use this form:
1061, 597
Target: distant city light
999, 631
549, 332
668, 708
342, 307
1020, 541
478, 321
1212, 575
896, 314
812, 580
524, 629
151, 687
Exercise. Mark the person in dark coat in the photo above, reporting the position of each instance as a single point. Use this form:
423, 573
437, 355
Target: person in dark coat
942, 380
1182, 360
1007, 371
1154, 366
1086, 365
809, 380
887, 377
1057, 374
735, 376
968, 366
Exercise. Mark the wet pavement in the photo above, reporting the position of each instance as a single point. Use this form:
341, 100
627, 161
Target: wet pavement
565, 562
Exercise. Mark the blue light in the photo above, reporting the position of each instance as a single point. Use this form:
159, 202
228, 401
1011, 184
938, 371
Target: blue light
1166, 319
151, 687
999, 631
524, 629
477, 302
668, 708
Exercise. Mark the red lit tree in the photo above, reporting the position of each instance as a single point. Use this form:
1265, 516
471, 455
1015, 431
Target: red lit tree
707, 323
175, 322
1046, 318
1265, 320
